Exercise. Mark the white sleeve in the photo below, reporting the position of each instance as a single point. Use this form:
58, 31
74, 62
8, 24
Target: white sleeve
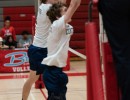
59, 25
47, 7
43, 8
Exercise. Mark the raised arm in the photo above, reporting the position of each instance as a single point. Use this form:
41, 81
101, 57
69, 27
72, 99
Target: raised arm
63, 1
71, 10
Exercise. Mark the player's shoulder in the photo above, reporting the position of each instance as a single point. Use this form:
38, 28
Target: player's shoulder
59, 21
54, 23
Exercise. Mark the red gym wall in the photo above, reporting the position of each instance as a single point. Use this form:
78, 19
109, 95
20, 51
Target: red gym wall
20, 11
78, 22
21, 18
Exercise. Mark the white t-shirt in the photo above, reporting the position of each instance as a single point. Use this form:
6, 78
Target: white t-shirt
58, 43
42, 26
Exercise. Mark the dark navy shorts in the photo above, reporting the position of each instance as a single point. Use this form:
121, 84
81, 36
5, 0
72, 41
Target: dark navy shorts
36, 55
55, 81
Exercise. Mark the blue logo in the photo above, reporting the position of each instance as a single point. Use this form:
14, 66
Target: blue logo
20, 57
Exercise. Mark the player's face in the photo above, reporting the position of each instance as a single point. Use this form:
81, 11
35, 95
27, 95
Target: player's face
25, 36
63, 10
7, 23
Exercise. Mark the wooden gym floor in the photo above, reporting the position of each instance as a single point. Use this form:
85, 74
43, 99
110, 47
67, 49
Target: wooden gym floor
11, 84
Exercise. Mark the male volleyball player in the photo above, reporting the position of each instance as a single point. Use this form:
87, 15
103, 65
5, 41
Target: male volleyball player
116, 20
58, 44
38, 50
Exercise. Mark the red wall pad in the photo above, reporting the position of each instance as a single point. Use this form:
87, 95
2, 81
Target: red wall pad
112, 91
82, 51
18, 10
19, 30
77, 44
94, 78
21, 24
20, 17
33, 25
79, 36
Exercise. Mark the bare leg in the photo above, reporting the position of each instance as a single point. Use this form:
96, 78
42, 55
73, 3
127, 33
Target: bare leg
28, 84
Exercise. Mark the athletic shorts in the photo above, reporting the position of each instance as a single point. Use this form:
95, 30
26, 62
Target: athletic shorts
36, 55
55, 81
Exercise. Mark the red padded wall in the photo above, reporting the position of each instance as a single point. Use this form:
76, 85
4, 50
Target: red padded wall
78, 22
21, 17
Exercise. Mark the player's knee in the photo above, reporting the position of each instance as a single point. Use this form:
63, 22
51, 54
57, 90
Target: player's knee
32, 80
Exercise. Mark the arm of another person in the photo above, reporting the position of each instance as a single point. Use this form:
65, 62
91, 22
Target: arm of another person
63, 1
74, 4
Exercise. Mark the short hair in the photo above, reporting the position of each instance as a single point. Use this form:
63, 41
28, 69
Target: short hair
7, 18
55, 11
43, 1
25, 33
